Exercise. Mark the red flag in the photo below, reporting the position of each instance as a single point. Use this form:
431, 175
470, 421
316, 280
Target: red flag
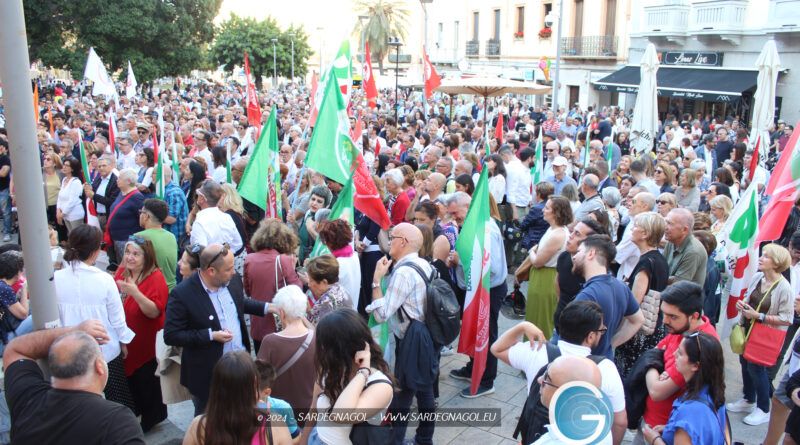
432, 79
253, 109
50, 120
782, 189
36, 102
754, 161
358, 130
368, 80
313, 104
498, 130
377, 147
366, 198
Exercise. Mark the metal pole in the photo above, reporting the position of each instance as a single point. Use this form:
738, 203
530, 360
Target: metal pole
27, 171
396, 83
558, 59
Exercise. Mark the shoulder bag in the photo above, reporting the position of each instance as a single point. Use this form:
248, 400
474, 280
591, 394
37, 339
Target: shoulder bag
296, 356
107, 234
650, 306
738, 337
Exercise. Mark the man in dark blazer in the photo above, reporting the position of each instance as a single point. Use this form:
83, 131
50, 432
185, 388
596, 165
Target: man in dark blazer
205, 316
103, 190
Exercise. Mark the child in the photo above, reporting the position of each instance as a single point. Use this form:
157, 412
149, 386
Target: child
266, 378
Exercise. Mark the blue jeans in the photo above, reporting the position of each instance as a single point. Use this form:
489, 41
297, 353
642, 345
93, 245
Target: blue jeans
5, 209
402, 403
755, 384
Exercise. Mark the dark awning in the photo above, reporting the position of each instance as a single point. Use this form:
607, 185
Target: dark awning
709, 84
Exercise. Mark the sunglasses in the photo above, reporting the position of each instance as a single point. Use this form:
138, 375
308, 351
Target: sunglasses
142, 132
659, 170
223, 252
663, 202
696, 335
137, 239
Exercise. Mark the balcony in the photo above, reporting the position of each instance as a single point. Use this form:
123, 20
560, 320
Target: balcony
666, 19
589, 47
718, 17
472, 48
492, 48
784, 15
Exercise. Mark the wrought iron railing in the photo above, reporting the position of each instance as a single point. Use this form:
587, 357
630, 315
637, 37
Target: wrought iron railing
473, 48
589, 46
492, 48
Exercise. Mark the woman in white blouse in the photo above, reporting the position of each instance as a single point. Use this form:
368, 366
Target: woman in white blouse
497, 177
69, 207
84, 292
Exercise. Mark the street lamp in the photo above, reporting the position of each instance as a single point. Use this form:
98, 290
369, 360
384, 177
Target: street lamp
292, 36
548, 21
274, 64
396, 43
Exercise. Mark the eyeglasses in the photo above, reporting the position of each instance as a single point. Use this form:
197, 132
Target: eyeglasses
137, 239
546, 380
391, 238
659, 170
223, 252
601, 330
663, 202
141, 131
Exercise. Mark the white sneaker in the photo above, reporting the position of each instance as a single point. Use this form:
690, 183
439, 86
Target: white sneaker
6, 237
446, 350
742, 406
757, 417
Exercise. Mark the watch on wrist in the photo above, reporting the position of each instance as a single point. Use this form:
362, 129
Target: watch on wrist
375, 285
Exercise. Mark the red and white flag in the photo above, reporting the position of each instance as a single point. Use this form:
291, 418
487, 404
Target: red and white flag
112, 132
366, 198
91, 212
314, 101
782, 189
368, 80
432, 79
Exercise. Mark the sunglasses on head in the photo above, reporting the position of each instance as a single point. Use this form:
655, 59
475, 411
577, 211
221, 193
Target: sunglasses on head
137, 239
223, 252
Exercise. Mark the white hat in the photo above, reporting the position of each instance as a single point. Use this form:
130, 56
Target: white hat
560, 161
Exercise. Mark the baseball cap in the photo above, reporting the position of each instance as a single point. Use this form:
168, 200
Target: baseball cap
560, 161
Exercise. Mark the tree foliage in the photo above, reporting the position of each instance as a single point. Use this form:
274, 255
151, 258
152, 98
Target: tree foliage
238, 35
387, 18
159, 37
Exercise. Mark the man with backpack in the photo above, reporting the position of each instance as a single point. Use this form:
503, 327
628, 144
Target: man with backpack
581, 327
457, 206
403, 304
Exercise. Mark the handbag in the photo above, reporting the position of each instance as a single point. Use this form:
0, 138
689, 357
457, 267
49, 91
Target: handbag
365, 433
764, 344
650, 306
738, 338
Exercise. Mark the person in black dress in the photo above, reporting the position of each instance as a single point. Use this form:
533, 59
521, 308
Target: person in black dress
650, 273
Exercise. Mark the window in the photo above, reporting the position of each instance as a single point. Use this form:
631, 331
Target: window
496, 33
475, 22
547, 8
440, 36
456, 25
520, 19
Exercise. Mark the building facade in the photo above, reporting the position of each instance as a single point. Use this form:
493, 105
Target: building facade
510, 37
708, 50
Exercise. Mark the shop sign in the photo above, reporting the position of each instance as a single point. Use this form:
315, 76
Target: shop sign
691, 58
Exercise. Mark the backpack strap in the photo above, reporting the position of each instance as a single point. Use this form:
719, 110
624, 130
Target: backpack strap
552, 353
726, 430
596, 358
420, 272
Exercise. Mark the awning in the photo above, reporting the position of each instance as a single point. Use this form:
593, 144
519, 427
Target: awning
709, 84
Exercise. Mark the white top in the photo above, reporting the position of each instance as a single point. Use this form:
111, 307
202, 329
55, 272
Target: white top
497, 187
215, 226
85, 292
339, 434
522, 357
148, 177
220, 174
550, 232
127, 161
206, 155
627, 254
518, 183
549, 438
69, 199
350, 277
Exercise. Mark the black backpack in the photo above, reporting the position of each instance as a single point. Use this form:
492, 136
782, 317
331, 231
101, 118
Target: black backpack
535, 416
442, 312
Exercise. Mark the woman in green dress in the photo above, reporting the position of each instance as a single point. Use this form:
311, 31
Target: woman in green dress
542, 293
320, 198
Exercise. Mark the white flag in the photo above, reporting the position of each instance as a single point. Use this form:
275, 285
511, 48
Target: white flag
130, 85
96, 72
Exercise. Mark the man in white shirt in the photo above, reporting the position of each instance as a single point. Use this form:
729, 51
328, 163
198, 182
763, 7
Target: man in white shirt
201, 140
126, 158
581, 328
563, 140
212, 226
627, 252
518, 180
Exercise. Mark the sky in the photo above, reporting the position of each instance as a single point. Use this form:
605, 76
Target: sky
336, 18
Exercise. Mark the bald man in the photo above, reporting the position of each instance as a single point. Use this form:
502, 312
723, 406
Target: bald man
592, 200
685, 255
69, 408
406, 293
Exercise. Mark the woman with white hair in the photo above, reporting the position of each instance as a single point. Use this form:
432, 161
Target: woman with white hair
295, 373
123, 215
612, 197
398, 201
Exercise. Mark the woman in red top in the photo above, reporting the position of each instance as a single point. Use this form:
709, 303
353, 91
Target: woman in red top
144, 293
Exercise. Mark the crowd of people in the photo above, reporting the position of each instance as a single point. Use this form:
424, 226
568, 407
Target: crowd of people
627, 286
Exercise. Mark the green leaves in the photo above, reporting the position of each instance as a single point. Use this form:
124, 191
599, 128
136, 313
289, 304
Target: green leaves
238, 35
159, 37
387, 18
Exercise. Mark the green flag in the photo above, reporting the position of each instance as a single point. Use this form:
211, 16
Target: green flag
610, 154
342, 67
229, 178
330, 151
161, 184
538, 168
586, 150
342, 208
258, 184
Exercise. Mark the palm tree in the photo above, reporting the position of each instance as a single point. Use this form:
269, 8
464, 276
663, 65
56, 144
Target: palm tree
387, 18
